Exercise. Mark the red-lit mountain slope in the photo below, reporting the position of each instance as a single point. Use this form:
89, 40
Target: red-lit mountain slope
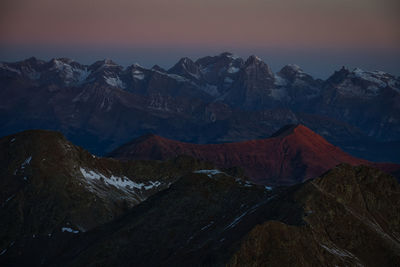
292, 155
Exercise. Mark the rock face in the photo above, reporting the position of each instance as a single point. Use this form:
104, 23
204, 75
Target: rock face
292, 155
211, 100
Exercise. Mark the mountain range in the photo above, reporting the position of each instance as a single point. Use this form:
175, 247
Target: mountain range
215, 99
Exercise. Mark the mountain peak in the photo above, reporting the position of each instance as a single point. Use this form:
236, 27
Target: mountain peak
186, 67
33, 60
229, 55
185, 61
285, 130
104, 63
291, 72
294, 67
63, 60
109, 62
158, 68
253, 59
294, 129
147, 137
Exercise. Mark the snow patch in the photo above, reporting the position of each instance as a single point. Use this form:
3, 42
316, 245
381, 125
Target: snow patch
8, 199
339, 252
5, 250
69, 230
209, 173
177, 77
372, 77
26, 162
232, 56
6, 67
279, 81
72, 74
81, 74
249, 211
207, 226
228, 80
210, 89
233, 69
137, 74
119, 182
296, 68
34, 75
114, 82
236, 220
278, 94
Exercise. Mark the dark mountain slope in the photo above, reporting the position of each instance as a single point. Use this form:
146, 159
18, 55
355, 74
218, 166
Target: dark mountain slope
352, 218
51, 190
349, 216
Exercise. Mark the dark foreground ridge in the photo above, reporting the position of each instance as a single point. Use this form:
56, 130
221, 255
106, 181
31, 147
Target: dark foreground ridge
61, 206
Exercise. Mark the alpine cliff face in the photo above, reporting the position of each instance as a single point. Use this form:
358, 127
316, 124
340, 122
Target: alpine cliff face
292, 155
211, 100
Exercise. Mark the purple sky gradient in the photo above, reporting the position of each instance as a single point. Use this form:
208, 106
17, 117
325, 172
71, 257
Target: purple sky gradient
319, 35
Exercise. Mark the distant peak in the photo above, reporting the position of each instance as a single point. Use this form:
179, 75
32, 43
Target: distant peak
158, 68
344, 68
32, 59
61, 59
226, 54
229, 55
253, 59
294, 67
147, 137
355, 70
185, 61
292, 129
137, 65
185, 66
292, 71
105, 63
285, 130
108, 61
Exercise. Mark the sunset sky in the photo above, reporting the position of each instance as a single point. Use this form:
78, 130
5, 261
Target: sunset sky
319, 35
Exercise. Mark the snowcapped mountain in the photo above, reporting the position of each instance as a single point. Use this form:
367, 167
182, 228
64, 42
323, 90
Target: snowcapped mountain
363, 84
213, 99
368, 99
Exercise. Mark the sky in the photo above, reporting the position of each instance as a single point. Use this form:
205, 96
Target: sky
319, 35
